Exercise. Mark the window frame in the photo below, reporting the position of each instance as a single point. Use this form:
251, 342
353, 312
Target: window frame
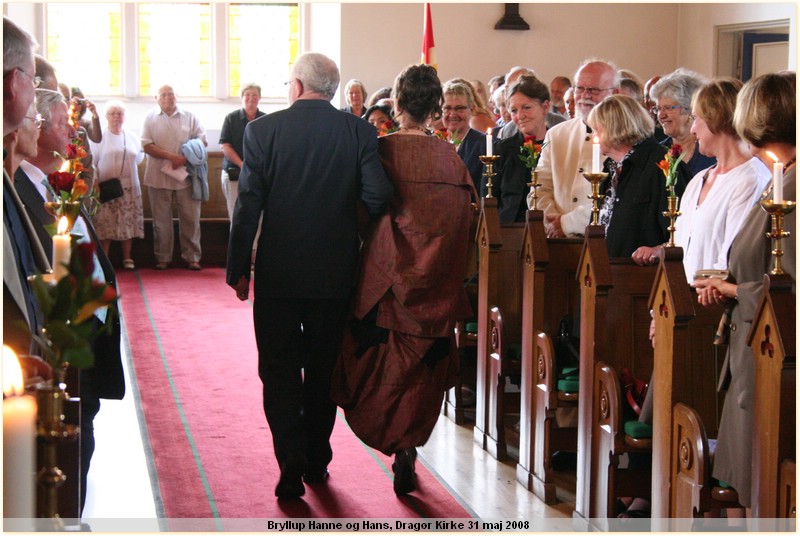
219, 43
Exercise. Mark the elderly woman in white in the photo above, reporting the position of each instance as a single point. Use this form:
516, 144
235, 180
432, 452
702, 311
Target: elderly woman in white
118, 155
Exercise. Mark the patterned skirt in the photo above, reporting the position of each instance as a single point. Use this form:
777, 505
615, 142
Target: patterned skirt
120, 219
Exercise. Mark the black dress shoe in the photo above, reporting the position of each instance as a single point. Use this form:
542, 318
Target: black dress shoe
405, 478
290, 485
316, 476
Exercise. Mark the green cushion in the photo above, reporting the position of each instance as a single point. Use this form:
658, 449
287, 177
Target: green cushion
471, 327
638, 430
723, 484
568, 385
568, 372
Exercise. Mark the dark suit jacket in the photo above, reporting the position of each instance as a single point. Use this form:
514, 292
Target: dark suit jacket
106, 377
306, 168
511, 183
471, 148
34, 206
637, 219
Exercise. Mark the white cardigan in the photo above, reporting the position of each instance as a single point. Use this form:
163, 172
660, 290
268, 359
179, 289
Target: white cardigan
565, 191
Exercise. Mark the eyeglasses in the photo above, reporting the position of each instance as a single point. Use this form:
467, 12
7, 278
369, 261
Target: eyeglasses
593, 91
38, 120
36, 80
456, 109
658, 109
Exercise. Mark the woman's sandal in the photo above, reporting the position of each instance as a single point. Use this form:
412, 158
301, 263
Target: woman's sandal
128, 264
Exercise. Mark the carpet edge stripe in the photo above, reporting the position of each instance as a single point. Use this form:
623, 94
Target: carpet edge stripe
179, 406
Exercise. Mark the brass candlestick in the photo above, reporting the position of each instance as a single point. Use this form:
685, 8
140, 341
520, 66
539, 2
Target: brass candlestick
672, 213
595, 179
777, 211
52, 429
533, 195
488, 161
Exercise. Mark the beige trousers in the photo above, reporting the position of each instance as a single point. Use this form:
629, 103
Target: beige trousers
188, 223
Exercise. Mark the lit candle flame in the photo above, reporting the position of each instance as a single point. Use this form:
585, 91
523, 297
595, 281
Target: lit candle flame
772, 155
596, 139
65, 167
63, 225
13, 383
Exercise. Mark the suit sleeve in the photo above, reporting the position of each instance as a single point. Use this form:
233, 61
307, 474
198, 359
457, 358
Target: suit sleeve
249, 203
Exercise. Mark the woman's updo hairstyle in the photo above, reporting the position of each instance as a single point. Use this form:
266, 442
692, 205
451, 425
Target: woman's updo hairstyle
418, 92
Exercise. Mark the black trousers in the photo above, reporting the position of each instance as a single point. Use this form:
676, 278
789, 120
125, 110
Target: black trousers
298, 342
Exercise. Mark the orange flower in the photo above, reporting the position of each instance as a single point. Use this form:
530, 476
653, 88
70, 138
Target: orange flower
79, 189
664, 165
87, 310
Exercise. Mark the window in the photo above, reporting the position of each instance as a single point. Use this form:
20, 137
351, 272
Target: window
85, 46
262, 39
148, 48
175, 48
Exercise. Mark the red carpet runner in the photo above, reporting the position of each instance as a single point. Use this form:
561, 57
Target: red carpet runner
195, 362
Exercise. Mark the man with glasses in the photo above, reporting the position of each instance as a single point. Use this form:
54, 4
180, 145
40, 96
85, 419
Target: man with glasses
22, 251
568, 154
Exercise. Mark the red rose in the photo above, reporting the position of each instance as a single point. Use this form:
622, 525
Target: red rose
85, 252
675, 151
72, 151
61, 181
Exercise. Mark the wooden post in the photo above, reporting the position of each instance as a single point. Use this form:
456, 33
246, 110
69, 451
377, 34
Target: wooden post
772, 338
594, 279
489, 243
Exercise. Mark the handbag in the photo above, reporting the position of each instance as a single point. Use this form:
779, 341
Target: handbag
111, 189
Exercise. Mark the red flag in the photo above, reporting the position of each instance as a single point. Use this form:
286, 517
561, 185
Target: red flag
428, 48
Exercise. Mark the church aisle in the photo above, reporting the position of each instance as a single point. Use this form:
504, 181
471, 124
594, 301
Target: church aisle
483, 486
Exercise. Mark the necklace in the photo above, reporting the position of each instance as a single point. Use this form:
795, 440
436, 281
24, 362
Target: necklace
415, 127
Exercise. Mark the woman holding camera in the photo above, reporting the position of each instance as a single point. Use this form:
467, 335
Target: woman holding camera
117, 156
231, 138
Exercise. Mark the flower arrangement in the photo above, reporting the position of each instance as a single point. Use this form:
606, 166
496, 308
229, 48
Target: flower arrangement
67, 188
444, 135
530, 152
670, 167
66, 306
387, 127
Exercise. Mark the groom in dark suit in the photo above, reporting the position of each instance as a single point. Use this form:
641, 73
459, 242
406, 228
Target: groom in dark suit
307, 168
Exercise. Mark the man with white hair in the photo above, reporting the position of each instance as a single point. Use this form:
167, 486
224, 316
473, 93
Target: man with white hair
307, 169
22, 251
165, 130
567, 154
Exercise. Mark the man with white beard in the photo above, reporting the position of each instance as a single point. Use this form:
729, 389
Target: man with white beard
567, 154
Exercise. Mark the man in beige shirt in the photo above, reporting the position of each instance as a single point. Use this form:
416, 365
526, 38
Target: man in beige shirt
165, 130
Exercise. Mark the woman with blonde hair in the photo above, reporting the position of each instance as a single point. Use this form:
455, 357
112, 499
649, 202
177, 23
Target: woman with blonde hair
457, 114
635, 192
765, 119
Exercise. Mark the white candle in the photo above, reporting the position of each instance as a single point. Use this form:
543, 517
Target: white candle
596, 155
777, 179
61, 250
19, 442
489, 141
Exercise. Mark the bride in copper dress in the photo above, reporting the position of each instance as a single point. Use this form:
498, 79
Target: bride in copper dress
398, 357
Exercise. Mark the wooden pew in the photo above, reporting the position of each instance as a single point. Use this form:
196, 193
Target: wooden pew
772, 338
549, 293
614, 329
686, 368
499, 281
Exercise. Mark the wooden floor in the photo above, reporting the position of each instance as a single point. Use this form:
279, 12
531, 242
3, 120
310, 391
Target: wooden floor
120, 488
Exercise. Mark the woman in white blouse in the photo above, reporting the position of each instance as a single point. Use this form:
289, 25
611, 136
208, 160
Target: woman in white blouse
716, 200
117, 156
